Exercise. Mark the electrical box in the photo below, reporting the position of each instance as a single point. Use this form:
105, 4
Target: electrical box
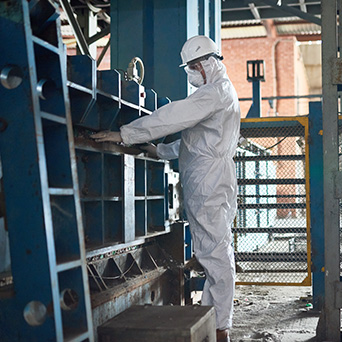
147, 323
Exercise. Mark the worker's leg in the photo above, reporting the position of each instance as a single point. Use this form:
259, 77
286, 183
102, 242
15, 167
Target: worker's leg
213, 250
206, 295
210, 204
220, 284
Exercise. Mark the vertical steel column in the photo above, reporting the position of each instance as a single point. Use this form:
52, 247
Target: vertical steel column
142, 28
330, 168
203, 13
317, 202
255, 110
192, 18
215, 21
128, 198
148, 42
255, 74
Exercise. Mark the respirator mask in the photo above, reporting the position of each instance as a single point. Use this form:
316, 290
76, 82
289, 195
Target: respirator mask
194, 75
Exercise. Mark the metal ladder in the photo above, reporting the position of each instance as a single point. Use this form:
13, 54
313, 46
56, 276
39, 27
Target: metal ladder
59, 260
58, 173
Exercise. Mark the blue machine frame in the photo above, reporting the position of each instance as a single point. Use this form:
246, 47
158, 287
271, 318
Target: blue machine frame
63, 192
49, 299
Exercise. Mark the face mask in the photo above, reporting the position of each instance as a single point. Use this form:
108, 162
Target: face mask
195, 78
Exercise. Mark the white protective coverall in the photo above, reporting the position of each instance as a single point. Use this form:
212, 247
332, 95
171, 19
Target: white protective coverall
210, 123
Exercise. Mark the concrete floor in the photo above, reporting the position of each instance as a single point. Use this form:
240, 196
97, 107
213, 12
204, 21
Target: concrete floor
273, 314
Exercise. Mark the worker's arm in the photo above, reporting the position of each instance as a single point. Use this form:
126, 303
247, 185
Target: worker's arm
162, 151
171, 118
168, 151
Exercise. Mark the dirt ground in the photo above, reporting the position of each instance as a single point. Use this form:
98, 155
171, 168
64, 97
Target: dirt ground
273, 314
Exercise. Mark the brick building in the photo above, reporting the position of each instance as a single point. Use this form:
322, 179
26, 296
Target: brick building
287, 50
292, 64
292, 68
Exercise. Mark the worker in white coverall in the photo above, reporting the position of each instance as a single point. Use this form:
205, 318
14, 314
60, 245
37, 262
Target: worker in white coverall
209, 120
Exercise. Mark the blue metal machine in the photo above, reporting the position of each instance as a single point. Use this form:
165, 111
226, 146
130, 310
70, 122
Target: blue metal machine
94, 228
49, 297
84, 218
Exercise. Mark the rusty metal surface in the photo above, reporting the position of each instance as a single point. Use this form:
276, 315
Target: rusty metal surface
138, 275
126, 288
161, 323
153, 288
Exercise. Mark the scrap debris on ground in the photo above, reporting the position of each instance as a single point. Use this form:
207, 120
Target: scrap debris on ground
273, 314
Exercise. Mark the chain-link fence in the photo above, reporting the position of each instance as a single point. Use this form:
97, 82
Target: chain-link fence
271, 235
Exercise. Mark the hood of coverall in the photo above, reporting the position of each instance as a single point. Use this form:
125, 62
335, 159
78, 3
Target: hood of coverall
215, 70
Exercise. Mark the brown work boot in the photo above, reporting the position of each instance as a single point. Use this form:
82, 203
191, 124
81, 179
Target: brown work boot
222, 335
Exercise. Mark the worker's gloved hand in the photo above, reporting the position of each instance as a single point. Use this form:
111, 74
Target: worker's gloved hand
107, 136
151, 149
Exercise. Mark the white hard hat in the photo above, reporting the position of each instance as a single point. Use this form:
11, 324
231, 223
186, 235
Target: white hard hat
197, 47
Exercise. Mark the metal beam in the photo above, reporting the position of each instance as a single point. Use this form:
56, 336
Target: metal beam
254, 11
302, 6
331, 319
234, 5
99, 60
80, 39
291, 10
99, 35
316, 202
283, 97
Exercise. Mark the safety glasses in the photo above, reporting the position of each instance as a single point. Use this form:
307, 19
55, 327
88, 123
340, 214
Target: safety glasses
194, 66
192, 69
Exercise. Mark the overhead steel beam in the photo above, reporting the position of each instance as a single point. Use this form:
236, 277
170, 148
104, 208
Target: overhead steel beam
302, 6
254, 11
291, 10
234, 5
80, 39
